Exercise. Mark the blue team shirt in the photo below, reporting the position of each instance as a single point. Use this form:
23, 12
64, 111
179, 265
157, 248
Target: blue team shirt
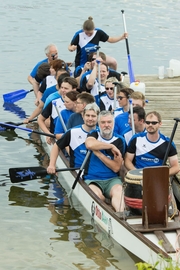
75, 139
95, 169
65, 116
147, 153
35, 69
121, 125
86, 45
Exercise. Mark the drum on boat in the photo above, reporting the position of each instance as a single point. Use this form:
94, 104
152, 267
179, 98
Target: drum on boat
133, 191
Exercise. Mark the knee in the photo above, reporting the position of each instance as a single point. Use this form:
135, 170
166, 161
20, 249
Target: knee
97, 191
116, 191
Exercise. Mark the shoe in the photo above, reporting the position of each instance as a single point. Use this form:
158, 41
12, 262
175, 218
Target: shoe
122, 215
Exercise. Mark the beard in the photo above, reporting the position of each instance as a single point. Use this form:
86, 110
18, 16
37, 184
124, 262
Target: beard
151, 131
106, 133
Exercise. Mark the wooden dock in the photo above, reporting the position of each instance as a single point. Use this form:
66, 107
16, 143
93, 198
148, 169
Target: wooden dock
164, 97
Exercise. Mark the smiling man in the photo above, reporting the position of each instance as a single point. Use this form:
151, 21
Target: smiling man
74, 138
148, 149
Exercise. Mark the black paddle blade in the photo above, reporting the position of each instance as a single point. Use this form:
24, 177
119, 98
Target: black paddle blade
22, 174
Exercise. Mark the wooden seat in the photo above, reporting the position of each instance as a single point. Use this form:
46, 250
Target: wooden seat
155, 196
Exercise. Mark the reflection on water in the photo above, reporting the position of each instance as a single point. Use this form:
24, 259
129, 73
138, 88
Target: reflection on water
9, 135
66, 232
89, 239
19, 196
11, 107
49, 192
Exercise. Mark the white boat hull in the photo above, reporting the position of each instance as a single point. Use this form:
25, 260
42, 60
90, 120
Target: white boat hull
144, 245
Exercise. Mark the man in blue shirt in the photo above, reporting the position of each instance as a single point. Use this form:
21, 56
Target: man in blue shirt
75, 139
51, 52
148, 149
102, 170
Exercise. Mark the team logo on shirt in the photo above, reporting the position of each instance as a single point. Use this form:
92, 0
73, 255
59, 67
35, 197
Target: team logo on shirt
156, 160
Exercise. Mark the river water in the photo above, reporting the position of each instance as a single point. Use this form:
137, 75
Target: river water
35, 234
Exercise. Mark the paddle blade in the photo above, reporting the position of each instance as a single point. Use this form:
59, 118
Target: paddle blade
15, 96
130, 69
12, 127
22, 174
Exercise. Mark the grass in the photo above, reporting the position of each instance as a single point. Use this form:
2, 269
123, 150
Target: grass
161, 263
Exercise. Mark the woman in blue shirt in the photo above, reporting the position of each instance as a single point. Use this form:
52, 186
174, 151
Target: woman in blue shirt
86, 41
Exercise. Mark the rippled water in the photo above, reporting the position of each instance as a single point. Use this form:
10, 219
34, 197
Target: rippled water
34, 234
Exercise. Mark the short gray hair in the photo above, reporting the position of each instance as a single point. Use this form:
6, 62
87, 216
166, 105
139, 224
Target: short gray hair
105, 113
92, 107
47, 49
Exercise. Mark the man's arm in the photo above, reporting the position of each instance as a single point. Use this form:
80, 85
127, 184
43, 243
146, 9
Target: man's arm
115, 164
86, 67
95, 145
128, 161
174, 165
92, 77
42, 125
51, 169
30, 79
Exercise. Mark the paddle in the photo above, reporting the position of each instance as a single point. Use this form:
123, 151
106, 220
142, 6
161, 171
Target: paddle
115, 95
29, 130
22, 174
60, 116
130, 68
132, 116
170, 140
99, 75
3, 127
79, 173
16, 95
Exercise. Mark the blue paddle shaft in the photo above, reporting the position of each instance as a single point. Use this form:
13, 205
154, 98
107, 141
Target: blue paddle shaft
28, 130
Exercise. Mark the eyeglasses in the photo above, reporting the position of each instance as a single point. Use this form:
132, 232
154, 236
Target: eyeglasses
93, 59
153, 123
109, 88
119, 97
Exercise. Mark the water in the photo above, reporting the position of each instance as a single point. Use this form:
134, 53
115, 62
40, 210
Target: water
34, 234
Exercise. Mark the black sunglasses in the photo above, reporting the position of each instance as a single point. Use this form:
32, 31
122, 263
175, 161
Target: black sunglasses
119, 97
153, 123
93, 59
109, 88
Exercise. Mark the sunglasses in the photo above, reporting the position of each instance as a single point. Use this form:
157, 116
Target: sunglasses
109, 88
93, 59
153, 123
119, 97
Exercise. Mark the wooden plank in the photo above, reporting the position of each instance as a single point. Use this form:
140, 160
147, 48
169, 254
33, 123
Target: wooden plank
164, 241
171, 226
155, 179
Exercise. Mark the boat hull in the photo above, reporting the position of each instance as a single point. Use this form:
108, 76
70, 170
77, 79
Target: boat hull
144, 245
